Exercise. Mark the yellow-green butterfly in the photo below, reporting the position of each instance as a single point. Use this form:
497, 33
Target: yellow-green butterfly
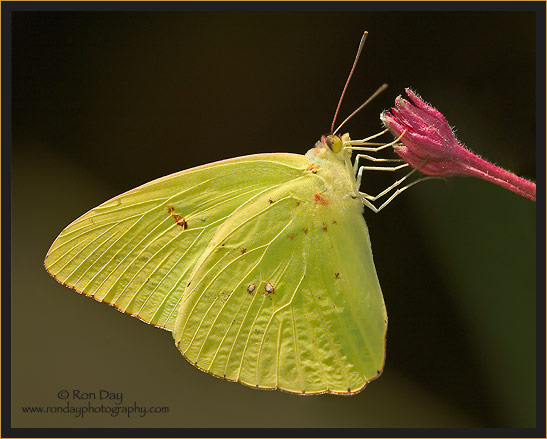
260, 266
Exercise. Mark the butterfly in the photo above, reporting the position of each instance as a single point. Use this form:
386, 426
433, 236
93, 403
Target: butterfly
260, 266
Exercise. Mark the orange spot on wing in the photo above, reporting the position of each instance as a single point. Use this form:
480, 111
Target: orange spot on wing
180, 221
319, 199
312, 168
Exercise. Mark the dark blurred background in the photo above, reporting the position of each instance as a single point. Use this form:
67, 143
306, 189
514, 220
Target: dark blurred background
103, 102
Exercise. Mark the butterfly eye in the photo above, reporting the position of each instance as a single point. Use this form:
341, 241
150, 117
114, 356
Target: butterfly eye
334, 143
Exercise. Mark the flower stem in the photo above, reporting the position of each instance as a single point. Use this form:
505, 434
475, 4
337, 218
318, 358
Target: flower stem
477, 167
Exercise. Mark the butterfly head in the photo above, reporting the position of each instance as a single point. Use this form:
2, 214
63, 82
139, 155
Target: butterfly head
330, 145
335, 143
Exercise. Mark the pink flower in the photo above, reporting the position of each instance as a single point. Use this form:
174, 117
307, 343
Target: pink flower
430, 145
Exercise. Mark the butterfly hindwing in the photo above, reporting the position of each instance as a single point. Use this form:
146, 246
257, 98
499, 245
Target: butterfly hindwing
137, 250
286, 295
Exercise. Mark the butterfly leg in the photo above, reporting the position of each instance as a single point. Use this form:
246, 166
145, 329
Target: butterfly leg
367, 199
379, 168
375, 209
365, 145
372, 159
386, 190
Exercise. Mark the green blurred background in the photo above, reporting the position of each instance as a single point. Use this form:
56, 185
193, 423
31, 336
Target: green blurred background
103, 102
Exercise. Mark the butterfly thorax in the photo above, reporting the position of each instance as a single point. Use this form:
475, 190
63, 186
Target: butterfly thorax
334, 168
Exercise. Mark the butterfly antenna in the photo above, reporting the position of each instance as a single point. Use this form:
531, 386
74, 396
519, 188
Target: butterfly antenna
363, 105
361, 44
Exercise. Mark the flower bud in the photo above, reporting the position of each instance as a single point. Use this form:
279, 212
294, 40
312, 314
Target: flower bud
429, 144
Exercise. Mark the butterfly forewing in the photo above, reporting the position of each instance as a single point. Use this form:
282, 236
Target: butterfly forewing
137, 250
